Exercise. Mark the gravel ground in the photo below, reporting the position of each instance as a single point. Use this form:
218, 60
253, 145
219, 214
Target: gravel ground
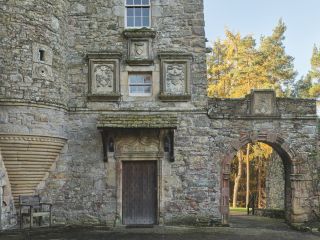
242, 227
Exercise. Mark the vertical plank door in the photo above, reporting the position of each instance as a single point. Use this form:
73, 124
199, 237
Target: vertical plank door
139, 192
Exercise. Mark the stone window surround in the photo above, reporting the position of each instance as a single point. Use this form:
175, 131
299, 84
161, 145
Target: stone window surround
106, 58
137, 5
178, 58
140, 94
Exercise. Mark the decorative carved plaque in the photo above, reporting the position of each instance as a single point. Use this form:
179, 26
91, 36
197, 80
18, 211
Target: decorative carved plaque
137, 142
139, 50
139, 46
175, 78
104, 77
263, 102
104, 74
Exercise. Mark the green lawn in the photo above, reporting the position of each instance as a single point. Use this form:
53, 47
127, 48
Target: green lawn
238, 209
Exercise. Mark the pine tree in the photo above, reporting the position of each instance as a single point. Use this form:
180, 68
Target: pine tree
279, 65
236, 65
309, 86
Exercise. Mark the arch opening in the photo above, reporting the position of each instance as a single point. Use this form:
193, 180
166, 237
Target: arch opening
228, 175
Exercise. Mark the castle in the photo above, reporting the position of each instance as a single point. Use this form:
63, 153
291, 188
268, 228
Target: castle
104, 113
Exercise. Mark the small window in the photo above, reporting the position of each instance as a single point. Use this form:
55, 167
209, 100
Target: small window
137, 13
140, 85
41, 55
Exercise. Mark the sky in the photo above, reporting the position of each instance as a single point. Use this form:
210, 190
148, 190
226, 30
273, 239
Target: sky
259, 17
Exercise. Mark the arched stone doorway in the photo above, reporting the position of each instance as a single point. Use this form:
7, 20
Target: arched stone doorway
297, 181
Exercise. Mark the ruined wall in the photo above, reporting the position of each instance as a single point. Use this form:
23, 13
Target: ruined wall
275, 183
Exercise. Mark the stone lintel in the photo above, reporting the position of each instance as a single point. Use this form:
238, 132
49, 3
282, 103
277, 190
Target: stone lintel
139, 33
137, 121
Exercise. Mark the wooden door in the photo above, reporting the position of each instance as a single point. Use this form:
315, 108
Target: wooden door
139, 192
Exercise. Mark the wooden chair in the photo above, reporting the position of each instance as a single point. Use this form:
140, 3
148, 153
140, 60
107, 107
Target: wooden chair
31, 207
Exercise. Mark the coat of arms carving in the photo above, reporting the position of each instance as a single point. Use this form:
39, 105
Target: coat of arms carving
139, 50
175, 78
104, 77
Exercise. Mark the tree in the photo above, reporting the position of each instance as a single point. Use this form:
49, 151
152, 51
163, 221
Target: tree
237, 179
278, 65
248, 175
309, 86
255, 156
236, 65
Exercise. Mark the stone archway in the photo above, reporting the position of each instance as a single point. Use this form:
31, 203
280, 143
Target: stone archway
297, 181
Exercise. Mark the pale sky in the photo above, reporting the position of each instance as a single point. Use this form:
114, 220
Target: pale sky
259, 17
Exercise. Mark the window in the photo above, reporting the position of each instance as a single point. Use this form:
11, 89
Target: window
140, 84
41, 55
137, 13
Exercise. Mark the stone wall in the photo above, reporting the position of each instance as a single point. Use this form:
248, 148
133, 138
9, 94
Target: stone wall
26, 27
293, 135
47, 94
98, 26
275, 183
83, 188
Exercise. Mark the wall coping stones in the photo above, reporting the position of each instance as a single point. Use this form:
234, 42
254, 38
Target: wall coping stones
265, 107
137, 121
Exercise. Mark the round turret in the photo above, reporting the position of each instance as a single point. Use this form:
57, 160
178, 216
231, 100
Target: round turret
32, 52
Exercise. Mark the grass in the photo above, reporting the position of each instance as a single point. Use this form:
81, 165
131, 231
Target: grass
238, 209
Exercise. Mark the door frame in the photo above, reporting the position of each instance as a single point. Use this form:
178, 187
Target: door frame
139, 156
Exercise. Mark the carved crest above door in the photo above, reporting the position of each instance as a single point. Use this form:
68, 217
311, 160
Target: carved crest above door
137, 141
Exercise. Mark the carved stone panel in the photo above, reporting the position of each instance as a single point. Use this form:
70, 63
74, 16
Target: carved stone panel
130, 141
41, 71
139, 46
175, 78
263, 102
104, 77
139, 50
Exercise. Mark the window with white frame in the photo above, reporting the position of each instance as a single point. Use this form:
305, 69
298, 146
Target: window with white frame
140, 84
137, 13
